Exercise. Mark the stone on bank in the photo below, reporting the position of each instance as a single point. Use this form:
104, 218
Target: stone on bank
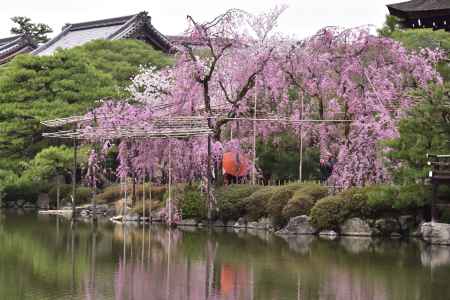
436, 233
297, 226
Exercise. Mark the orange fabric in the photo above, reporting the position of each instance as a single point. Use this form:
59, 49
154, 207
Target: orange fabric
235, 164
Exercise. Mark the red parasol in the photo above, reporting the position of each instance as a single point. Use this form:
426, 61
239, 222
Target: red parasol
235, 164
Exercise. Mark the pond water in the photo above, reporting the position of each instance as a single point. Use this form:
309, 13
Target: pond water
43, 257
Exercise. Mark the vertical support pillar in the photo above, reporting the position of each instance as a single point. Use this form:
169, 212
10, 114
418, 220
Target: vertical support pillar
150, 199
74, 178
93, 201
433, 201
209, 176
58, 191
254, 136
300, 165
143, 199
170, 182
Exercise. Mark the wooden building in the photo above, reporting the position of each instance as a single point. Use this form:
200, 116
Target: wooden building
423, 13
15, 45
137, 26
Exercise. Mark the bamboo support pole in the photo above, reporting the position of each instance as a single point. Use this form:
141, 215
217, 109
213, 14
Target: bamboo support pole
143, 198
209, 177
300, 166
170, 182
150, 199
74, 178
58, 191
254, 137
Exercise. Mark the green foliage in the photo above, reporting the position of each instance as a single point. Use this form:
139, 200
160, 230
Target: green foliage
114, 193
279, 159
38, 32
328, 213
122, 59
35, 88
279, 198
23, 189
303, 200
231, 202
369, 203
256, 204
193, 203
426, 129
412, 196
83, 194
382, 197
391, 25
70, 82
50, 162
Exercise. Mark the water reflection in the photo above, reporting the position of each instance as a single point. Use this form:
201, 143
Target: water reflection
49, 258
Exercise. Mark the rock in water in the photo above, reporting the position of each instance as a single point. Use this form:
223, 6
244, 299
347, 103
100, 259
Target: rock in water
298, 225
356, 227
436, 233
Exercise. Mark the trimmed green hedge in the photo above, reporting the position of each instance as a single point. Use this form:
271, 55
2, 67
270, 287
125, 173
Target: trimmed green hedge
328, 213
278, 202
369, 203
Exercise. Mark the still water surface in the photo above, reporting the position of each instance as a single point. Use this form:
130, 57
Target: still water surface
42, 257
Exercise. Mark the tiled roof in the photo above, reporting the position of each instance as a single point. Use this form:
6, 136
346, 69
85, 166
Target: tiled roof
111, 29
12, 46
421, 5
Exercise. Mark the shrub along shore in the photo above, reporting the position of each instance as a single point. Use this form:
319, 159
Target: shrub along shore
379, 209
296, 208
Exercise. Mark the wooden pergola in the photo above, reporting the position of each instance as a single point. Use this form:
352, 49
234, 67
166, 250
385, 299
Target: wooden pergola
169, 127
158, 128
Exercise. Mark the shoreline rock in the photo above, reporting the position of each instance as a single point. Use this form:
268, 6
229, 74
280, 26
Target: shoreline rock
299, 225
436, 233
356, 227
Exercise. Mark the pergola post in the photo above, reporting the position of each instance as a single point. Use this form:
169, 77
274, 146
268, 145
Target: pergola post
58, 191
170, 182
74, 178
143, 199
254, 137
209, 177
300, 165
93, 201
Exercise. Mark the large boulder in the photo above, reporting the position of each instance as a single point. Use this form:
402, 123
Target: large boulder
436, 233
387, 227
356, 227
298, 225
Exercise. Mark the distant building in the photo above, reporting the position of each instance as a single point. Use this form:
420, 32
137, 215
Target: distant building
137, 26
423, 13
12, 46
